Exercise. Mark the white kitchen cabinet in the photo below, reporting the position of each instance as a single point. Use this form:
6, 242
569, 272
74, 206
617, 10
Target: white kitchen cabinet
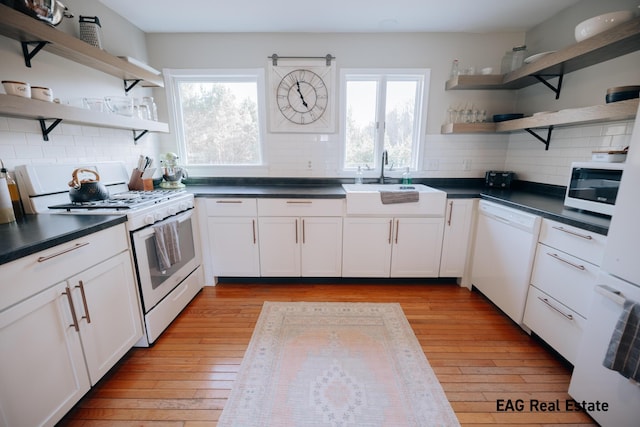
457, 233
392, 247
42, 369
60, 331
300, 237
562, 285
233, 237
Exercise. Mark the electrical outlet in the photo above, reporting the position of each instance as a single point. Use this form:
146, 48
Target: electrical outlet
309, 165
433, 165
466, 164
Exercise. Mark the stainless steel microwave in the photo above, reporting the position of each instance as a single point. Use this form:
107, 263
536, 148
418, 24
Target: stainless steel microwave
593, 186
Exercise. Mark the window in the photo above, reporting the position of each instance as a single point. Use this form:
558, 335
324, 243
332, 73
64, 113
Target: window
218, 116
383, 111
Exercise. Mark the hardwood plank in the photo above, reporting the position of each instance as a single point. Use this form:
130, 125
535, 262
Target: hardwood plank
478, 354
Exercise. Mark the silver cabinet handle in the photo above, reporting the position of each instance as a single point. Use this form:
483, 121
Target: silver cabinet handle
397, 229
296, 231
303, 233
573, 233
566, 261
390, 227
84, 301
253, 226
229, 201
546, 301
450, 213
299, 202
73, 309
62, 252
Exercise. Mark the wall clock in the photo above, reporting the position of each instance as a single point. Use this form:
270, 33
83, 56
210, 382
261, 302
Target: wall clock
301, 96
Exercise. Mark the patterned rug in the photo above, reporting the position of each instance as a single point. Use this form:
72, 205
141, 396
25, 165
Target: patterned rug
335, 365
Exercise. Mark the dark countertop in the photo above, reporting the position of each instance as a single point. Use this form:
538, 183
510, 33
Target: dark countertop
547, 205
35, 233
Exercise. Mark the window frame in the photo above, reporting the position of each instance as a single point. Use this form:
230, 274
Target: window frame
174, 76
382, 75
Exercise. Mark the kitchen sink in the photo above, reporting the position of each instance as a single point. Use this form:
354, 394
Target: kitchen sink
364, 199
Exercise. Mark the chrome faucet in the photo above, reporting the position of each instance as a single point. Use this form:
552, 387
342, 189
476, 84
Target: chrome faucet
385, 161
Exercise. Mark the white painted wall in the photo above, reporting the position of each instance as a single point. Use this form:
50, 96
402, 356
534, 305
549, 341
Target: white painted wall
288, 155
21, 141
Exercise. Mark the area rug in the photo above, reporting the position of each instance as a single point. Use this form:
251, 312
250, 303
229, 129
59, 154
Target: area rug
335, 365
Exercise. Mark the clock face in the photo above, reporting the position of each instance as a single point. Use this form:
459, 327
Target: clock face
302, 96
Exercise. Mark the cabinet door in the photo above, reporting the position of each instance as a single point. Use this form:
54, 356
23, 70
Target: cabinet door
366, 247
455, 243
417, 245
106, 301
234, 246
321, 250
42, 368
279, 239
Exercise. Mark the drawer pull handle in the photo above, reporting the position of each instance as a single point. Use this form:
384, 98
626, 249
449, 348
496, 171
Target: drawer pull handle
253, 226
450, 213
84, 301
73, 309
574, 265
397, 230
299, 202
296, 231
573, 233
546, 301
62, 252
304, 239
229, 201
390, 227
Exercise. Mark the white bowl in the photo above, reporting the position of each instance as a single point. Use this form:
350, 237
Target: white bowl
600, 23
17, 88
41, 93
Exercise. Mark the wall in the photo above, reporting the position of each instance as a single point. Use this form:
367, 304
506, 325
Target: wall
21, 140
585, 87
290, 154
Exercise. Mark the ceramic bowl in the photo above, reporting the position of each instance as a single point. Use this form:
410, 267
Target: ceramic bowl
600, 23
17, 88
41, 93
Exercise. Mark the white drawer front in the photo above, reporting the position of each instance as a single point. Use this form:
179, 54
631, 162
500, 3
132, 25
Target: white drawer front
300, 207
568, 279
556, 324
231, 207
27, 276
583, 244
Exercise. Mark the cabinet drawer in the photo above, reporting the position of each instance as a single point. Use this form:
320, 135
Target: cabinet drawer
300, 207
559, 326
566, 278
27, 276
581, 243
231, 207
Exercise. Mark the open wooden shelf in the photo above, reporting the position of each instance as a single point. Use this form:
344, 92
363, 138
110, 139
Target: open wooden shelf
23, 28
618, 41
623, 110
15, 106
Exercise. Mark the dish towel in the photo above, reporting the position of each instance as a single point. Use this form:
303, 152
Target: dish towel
389, 197
623, 354
167, 244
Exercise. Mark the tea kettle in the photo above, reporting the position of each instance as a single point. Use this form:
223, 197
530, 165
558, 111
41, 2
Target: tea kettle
50, 11
87, 190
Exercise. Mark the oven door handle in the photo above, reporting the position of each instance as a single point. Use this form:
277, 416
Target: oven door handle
148, 231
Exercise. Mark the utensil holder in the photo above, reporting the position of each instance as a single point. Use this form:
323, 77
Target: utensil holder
136, 183
91, 30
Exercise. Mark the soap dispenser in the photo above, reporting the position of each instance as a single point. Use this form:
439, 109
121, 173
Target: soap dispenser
359, 179
406, 176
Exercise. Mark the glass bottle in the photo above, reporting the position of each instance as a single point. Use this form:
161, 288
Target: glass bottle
152, 107
406, 176
455, 68
14, 194
6, 208
518, 57
359, 179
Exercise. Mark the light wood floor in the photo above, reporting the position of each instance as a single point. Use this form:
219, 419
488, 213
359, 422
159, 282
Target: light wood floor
477, 353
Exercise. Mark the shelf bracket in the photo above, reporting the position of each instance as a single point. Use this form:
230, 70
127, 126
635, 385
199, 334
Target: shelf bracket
556, 89
46, 130
137, 136
129, 84
546, 140
28, 56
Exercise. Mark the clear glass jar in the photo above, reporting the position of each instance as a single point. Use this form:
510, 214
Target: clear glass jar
359, 179
517, 59
151, 106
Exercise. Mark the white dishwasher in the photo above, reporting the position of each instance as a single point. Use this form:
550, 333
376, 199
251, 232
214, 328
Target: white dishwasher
503, 256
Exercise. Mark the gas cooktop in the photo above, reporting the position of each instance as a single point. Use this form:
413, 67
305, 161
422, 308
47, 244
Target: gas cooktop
123, 201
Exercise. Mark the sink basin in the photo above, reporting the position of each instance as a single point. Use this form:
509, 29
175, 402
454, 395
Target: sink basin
364, 199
